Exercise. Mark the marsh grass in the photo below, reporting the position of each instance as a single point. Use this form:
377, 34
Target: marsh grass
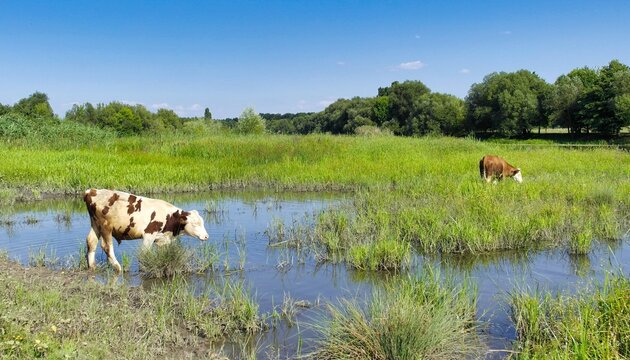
382, 255
46, 314
592, 324
165, 261
42, 257
423, 191
425, 317
206, 258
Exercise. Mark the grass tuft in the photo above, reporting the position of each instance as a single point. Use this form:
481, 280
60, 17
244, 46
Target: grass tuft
414, 318
165, 261
590, 325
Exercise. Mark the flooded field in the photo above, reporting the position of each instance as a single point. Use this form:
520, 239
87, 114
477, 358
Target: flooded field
238, 223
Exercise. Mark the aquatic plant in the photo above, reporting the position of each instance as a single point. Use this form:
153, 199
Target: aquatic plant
592, 324
42, 257
412, 318
381, 255
165, 261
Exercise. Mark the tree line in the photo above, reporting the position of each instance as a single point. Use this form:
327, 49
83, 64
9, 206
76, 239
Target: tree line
509, 104
505, 103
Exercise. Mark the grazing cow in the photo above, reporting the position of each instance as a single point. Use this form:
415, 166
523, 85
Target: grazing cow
126, 217
495, 168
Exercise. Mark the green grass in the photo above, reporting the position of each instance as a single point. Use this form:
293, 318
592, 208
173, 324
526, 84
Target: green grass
56, 315
423, 191
427, 317
42, 257
593, 324
381, 255
165, 261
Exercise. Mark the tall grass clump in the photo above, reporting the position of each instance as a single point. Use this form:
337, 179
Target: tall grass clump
224, 312
382, 255
42, 257
425, 317
589, 325
165, 261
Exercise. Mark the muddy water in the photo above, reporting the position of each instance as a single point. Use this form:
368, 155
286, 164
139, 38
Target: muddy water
237, 224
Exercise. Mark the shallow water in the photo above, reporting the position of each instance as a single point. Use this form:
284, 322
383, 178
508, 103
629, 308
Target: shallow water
237, 229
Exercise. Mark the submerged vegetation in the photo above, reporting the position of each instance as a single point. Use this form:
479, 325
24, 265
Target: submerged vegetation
590, 325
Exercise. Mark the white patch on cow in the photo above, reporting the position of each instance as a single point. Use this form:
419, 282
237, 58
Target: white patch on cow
518, 176
194, 226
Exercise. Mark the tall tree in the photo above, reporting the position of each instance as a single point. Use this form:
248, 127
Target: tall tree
402, 99
509, 103
36, 105
207, 115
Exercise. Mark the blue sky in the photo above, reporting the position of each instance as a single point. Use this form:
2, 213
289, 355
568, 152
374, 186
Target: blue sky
289, 56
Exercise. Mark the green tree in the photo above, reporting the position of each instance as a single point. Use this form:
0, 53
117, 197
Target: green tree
508, 103
250, 122
440, 114
4, 109
168, 119
403, 99
207, 115
36, 105
563, 101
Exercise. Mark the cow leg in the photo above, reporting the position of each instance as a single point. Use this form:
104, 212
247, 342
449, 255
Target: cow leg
108, 247
92, 241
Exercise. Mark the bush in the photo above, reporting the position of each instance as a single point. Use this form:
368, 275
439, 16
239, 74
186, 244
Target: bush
368, 130
165, 261
250, 122
414, 318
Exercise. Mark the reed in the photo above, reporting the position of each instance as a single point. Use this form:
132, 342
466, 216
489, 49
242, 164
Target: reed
592, 324
428, 317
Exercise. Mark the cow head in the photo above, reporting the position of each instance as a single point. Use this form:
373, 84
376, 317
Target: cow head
193, 225
517, 175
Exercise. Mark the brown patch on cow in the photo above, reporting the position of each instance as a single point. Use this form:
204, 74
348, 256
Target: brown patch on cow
105, 210
152, 216
113, 199
174, 223
91, 206
138, 206
124, 235
130, 208
154, 226
184, 217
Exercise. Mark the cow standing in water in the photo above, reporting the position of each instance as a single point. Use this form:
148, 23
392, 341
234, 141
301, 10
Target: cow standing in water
495, 168
127, 217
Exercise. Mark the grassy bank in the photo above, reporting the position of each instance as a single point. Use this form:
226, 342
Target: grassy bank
64, 315
593, 324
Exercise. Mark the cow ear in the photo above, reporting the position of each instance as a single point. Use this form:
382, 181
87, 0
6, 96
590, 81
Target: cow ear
183, 218
516, 171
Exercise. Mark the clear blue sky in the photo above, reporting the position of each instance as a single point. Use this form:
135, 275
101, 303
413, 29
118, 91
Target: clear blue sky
289, 56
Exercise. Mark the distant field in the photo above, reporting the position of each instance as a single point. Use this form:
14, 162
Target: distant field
178, 163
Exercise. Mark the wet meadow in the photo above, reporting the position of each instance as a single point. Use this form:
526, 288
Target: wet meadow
326, 247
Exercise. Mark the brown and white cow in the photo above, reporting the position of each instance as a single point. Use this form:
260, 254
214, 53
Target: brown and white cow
127, 217
495, 168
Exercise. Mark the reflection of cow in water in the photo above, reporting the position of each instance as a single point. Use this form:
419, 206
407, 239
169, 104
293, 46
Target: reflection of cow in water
493, 167
126, 217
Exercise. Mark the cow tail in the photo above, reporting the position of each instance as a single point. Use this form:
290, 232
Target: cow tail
482, 169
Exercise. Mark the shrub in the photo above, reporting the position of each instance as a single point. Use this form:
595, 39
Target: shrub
165, 261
